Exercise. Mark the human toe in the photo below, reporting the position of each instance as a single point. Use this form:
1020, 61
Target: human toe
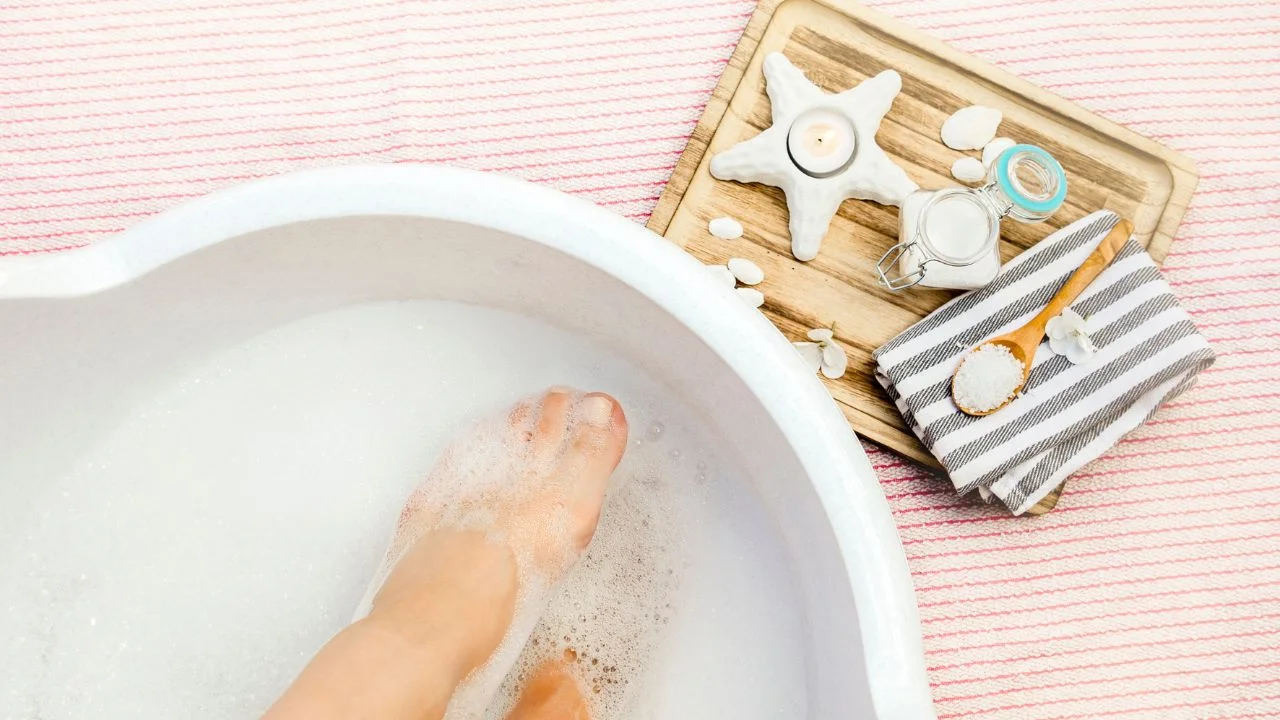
599, 439
554, 414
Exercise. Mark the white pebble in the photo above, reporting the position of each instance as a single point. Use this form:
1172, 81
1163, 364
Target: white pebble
994, 148
725, 228
751, 296
971, 128
747, 272
722, 274
968, 169
987, 378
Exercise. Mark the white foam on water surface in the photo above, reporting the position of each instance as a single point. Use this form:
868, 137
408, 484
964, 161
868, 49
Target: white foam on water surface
205, 547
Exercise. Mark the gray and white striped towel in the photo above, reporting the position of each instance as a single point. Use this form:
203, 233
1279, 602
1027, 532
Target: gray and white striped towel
1148, 352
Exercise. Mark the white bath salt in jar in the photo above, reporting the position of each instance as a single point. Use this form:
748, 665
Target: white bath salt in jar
950, 238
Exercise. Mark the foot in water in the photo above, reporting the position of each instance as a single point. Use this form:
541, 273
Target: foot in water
552, 693
506, 511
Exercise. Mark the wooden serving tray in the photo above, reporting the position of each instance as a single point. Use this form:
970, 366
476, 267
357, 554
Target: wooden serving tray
838, 44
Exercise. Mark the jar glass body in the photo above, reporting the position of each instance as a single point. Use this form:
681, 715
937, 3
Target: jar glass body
950, 238
949, 257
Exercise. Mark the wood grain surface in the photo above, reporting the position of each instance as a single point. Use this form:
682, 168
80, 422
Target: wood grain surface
838, 44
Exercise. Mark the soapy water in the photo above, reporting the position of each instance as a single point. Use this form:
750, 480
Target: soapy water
610, 606
201, 552
615, 604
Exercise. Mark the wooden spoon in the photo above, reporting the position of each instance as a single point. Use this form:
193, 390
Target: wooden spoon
1024, 341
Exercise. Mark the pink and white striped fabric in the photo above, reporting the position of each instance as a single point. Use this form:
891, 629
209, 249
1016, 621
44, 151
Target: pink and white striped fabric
1152, 591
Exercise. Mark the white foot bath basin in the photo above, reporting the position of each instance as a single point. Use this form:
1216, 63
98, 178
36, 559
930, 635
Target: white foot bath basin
210, 421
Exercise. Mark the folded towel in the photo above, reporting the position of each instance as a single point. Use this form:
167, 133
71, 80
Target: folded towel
1148, 352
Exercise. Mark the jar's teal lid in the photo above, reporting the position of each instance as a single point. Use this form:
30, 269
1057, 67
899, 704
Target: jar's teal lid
1056, 180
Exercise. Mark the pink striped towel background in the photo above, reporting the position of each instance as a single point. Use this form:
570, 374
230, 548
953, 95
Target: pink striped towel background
1152, 591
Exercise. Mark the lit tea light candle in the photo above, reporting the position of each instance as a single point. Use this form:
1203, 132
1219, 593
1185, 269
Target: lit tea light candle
821, 142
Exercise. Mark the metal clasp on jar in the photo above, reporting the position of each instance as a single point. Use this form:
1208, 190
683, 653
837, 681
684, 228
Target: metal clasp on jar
890, 259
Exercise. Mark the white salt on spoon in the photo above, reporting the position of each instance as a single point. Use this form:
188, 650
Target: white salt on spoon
987, 379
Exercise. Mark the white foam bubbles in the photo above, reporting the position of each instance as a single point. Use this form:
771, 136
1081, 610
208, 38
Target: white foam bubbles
215, 537
613, 608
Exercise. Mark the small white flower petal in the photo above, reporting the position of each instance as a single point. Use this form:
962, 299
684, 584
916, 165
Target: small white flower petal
811, 353
1079, 354
751, 296
1056, 328
834, 361
831, 353
1072, 318
1059, 345
722, 275
1069, 336
820, 334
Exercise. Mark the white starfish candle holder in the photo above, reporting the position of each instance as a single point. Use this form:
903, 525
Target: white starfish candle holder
820, 150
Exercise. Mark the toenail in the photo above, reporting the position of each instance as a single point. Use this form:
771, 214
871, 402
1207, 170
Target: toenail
597, 410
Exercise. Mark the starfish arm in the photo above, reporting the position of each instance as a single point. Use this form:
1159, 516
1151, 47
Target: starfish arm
763, 158
810, 216
788, 89
875, 177
871, 99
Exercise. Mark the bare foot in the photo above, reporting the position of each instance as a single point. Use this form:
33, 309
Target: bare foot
537, 480
527, 490
551, 694
506, 511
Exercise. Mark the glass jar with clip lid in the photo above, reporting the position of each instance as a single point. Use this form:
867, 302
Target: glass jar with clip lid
950, 238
